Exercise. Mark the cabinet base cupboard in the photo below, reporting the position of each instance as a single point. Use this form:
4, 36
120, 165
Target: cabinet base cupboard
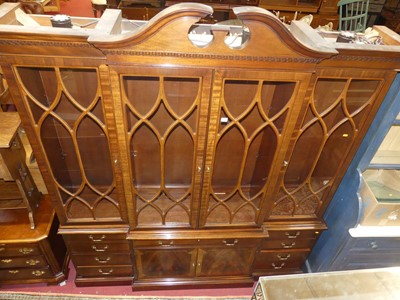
179, 153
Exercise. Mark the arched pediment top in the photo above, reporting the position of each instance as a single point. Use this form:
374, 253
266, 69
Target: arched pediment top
190, 13
266, 35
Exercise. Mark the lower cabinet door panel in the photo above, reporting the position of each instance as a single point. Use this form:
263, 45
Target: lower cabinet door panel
157, 263
226, 261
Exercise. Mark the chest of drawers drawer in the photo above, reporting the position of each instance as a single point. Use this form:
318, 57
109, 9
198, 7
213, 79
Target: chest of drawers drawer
102, 259
20, 262
94, 248
27, 250
25, 274
104, 271
94, 238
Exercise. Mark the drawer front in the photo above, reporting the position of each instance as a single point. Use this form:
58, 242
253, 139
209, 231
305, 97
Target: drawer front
14, 274
163, 243
293, 234
104, 271
376, 244
94, 238
15, 262
276, 260
230, 242
7, 250
287, 244
102, 259
92, 248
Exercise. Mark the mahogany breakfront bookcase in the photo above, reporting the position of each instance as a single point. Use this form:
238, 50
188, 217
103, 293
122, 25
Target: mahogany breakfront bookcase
184, 162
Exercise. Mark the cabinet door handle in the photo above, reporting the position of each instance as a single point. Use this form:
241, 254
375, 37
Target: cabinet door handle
233, 243
94, 247
277, 267
100, 239
292, 236
286, 257
13, 271
102, 261
106, 273
288, 245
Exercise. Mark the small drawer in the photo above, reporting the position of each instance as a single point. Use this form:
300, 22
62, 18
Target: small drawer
287, 244
17, 262
293, 234
291, 259
230, 242
376, 244
18, 273
102, 259
91, 248
164, 243
104, 271
7, 250
94, 238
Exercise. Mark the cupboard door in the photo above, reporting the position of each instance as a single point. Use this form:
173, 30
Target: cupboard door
166, 113
66, 108
224, 261
337, 111
252, 117
165, 263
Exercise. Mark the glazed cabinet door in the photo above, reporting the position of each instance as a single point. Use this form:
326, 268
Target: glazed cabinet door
339, 108
67, 110
165, 112
252, 118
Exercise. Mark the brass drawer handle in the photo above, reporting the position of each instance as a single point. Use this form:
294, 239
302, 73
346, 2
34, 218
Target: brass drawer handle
6, 261
26, 250
277, 267
288, 245
2, 249
13, 271
106, 273
91, 237
38, 273
102, 261
32, 262
280, 257
227, 243
94, 247
164, 244
292, 236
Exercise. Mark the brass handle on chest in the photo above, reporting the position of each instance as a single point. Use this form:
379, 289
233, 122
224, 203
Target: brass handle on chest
287, 245
13, 271
91, 237
32, 262
228, 243
94, 247
25, 250
277, 267
38, 273
102, 261
281, 257
6, 261
106, 273
292, 236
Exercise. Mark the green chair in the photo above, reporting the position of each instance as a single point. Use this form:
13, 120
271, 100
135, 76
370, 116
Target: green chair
353, 15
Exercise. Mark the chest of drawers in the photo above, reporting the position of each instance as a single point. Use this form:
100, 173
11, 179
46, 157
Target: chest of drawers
31, 255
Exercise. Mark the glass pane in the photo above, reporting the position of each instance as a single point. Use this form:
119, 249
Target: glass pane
324, 99
228, 162
95, 154
181, 93
238, 94
81, 84
275, 96
142, 92
385, 184
389, 151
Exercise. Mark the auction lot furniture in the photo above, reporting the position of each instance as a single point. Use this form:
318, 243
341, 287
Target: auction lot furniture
32, 255
178, 153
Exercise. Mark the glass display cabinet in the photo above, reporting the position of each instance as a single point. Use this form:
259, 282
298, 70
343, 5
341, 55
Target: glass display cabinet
178, 153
